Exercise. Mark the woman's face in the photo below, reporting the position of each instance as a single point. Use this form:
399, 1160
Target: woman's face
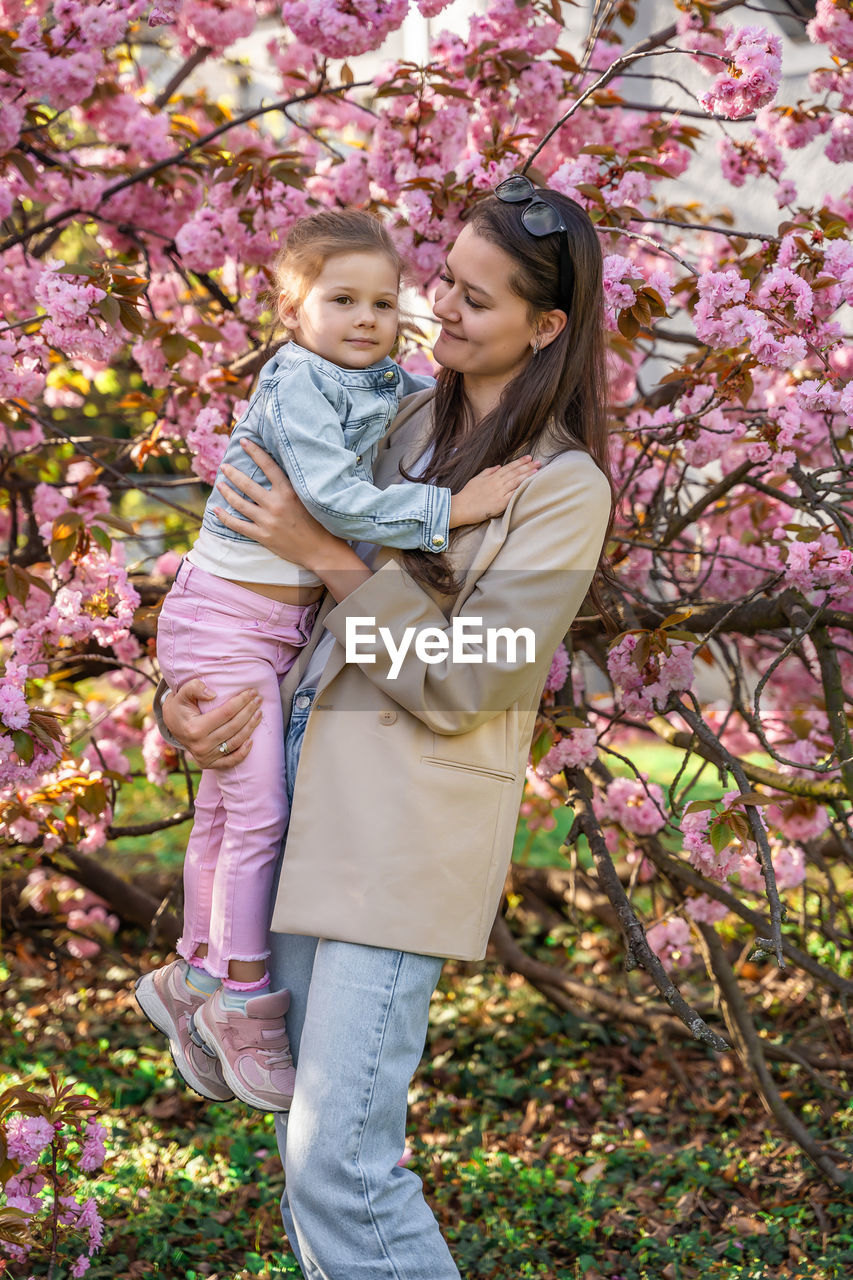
486, 331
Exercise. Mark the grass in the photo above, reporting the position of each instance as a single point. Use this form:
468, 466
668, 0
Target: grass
550, 1147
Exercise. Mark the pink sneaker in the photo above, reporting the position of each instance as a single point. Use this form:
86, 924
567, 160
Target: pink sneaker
169, 1004
252, 1048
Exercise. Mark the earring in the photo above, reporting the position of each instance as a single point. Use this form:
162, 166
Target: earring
536, 346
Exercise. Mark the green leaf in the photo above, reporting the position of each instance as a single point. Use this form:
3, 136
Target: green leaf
570, 722
110, 309
676, 619
542, 745
130, 318
116, 522
755, 797
61, 548
174, 347
23, 746
102, 538
721, 837
700, 806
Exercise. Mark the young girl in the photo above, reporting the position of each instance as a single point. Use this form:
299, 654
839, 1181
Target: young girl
238, 614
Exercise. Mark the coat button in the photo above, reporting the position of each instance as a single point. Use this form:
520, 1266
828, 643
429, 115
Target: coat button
387, 717
388, 375
303, 701
437, 540
358, 457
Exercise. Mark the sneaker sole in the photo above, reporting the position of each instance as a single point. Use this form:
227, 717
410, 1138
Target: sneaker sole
158, 1015
205, 1032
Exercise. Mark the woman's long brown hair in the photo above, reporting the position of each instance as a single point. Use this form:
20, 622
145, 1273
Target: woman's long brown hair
561, 391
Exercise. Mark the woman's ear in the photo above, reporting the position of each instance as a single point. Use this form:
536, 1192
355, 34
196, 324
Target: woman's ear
550, 325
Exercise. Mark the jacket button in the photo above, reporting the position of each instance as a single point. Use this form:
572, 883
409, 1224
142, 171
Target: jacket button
387, 717
388, 375
358, 457
437, 540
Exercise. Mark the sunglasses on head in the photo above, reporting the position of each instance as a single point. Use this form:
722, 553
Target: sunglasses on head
541, 219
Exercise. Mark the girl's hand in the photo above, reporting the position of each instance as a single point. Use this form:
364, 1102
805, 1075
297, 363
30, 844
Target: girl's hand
274, 517
489, 492
203, 732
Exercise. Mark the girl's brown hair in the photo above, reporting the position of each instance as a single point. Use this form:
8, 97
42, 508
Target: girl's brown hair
313, 240
562, 391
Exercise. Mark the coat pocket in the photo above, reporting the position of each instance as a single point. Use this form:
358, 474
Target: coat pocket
481, 770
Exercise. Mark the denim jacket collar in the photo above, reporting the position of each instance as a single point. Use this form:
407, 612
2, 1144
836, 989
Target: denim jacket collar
371, 377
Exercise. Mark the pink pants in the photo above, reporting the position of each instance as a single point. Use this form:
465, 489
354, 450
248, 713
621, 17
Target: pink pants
234, 639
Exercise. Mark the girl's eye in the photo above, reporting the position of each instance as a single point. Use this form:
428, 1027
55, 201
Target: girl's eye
385, 305
342, 298
442, 275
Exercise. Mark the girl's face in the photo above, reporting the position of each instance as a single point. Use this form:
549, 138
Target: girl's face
486, 331
349, 315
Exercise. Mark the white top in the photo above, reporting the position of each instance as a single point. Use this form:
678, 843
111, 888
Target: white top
245, 561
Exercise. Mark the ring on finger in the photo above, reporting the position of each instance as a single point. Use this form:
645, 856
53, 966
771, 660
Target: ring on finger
224, 748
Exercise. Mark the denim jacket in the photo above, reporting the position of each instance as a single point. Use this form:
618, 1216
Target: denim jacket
322, 424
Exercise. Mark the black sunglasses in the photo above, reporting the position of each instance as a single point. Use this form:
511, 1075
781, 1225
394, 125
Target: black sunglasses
541, 219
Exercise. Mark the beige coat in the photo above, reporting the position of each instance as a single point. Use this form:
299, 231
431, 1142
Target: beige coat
407, 790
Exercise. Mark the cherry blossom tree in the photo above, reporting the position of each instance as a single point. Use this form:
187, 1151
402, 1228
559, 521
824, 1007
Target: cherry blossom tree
138, 224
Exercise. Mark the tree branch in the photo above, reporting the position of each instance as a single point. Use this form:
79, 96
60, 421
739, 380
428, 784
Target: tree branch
750, 1050
638, 951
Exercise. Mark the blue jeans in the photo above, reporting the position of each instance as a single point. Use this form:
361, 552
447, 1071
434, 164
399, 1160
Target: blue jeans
357, 1025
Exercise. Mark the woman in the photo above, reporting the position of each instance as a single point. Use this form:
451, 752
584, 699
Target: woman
404, 807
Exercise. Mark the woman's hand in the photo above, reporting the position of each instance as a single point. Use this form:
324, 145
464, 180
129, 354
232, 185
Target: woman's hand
274, 517
202, 733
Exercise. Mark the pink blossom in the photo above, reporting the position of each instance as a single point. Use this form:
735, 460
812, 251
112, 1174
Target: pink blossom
164, 13
799, 818
635, 804
618, 293
89, 1219
789, 866
751, 875
722, 288
208, 440
343, 28
839, 148
670, 940
217, 23
559, 670
753, 79
27, 1137
167, 564
22, 1190
14, 711
782, 287
832, 25
706, 909
642, 689
577, 748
